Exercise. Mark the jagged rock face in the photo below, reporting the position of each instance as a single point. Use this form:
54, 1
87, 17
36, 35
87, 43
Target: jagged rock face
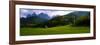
44, 16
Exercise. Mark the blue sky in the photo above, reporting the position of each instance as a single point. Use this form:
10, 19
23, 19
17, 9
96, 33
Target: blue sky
50, 12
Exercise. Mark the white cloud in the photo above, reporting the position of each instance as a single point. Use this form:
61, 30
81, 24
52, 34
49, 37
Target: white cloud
60, 13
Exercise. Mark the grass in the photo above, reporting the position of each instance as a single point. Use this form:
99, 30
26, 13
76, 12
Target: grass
54, 30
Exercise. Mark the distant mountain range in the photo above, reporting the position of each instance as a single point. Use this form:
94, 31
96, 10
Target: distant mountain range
43, 17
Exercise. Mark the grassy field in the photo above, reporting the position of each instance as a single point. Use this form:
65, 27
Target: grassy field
54, 30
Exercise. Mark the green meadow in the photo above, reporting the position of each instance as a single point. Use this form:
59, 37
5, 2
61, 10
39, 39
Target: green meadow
67, 29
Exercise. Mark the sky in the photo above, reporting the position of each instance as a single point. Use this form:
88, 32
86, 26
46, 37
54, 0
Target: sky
50, 12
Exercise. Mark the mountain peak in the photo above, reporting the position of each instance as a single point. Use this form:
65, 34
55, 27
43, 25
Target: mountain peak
44, 15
